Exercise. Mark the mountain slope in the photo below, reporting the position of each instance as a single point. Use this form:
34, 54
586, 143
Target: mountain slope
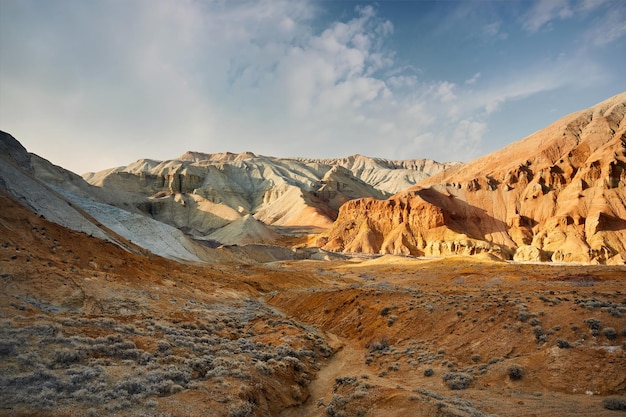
277, 191
66, 199
558, 194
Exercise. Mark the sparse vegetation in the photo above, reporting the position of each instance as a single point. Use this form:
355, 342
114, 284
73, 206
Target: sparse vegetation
380, 345
540, 336
154, 345
609, 333
614, 403
515, 372
594, 324
563, 344
47, 366
458, 380
336, 406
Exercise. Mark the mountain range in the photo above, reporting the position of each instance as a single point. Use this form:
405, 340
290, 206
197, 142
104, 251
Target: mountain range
187, 207
556, 195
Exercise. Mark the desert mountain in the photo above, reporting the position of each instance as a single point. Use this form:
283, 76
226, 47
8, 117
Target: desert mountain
89, 328
200, 193
558, 194
65, 198
184, 208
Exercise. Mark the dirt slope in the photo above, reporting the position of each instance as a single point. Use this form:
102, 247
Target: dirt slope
87, 328
530, 340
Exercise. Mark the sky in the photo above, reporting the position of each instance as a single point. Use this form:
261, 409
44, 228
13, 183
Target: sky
96, 84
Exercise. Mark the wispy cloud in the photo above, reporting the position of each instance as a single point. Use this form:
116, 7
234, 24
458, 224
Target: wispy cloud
494, 30
545, 11
472, 81
610, 27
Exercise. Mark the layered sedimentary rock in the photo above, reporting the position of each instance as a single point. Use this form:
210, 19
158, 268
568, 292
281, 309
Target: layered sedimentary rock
390, 176
558, 194
200, 192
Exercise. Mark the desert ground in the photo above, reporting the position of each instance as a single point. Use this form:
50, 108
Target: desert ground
89, 328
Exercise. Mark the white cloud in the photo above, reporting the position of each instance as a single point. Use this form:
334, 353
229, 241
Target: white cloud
156, 78
445, 91
543, 12
467, 136
607, 28
550, 75
610, 28
494, 31
472, 81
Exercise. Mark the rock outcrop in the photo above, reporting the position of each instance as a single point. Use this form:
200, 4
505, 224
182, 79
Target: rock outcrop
200, 192
387, 175
558, 194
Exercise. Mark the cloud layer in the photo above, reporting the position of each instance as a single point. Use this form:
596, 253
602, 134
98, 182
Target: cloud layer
97, 84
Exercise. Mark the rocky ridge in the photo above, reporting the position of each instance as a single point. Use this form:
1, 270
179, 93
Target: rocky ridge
201, 193
186, 208
66, 199
558, 194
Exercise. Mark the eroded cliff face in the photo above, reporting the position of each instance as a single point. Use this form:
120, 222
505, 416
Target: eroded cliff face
559, 194
418, 222
202, 192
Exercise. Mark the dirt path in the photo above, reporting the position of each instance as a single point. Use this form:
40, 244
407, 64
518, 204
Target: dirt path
347, 361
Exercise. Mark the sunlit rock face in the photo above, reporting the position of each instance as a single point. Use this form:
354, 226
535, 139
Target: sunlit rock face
558, 194
202, 192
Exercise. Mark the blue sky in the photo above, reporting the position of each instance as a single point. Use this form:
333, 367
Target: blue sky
96, 84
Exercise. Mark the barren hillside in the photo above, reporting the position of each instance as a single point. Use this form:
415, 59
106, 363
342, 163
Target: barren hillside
559, 194
200, 192
109, 307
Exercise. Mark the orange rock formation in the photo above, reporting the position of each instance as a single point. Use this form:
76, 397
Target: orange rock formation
558, 194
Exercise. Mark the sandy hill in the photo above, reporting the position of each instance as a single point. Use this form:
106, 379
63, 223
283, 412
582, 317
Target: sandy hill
112, 215
558, 194
201, 192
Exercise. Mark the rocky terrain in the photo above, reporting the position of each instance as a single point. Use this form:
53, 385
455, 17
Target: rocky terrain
200, 193
91, 328
559, 194
190, 287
